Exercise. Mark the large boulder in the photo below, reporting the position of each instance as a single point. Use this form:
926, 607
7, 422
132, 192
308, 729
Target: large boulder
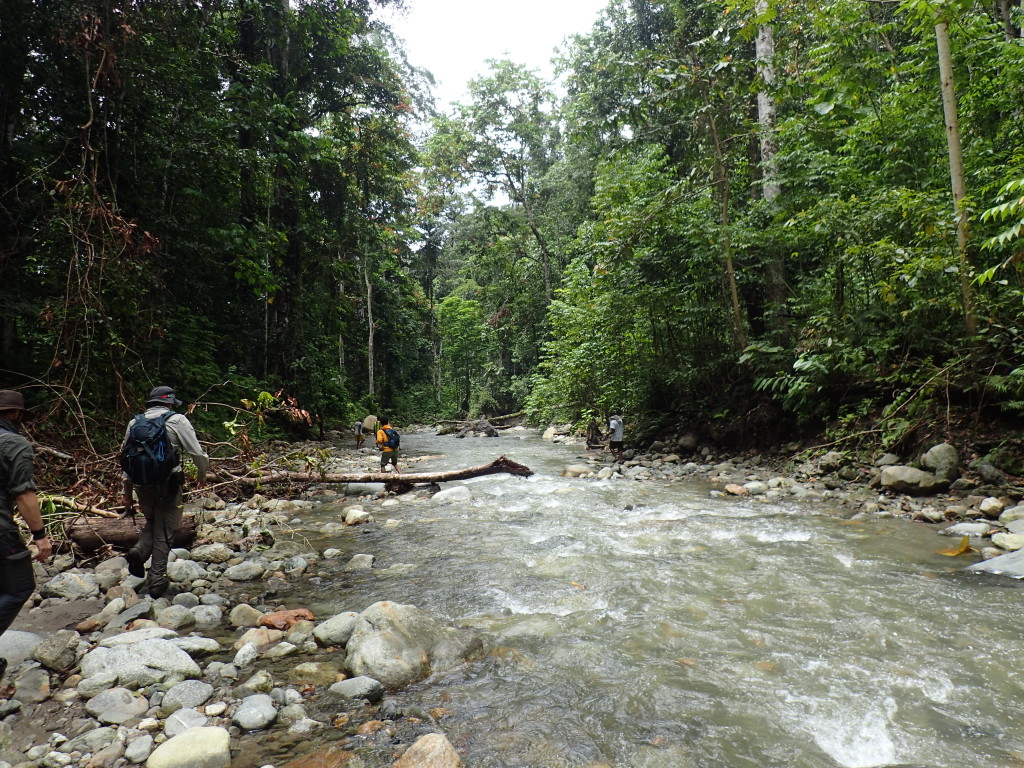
141, 664
400, 645
196, 748
912, 481
71, 585
942, 460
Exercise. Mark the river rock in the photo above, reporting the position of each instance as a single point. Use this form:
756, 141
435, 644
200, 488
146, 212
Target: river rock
71, 585
184, 720
186, 571
195, 645
1012, 514
138, 636
356, 516
1008, 541
337, 629
832, 461
186, 694
360, 563
943, 460
247, 571
314, 673
255, 712
992, 507
141, 664
16, 646
32, 686
207, 616
92, 740
967, 529
261, 682
261, 637
912, 481
176, 617
400, 644
358, 688
58, 651
246, 655
198, 748
244, 615
213, 553
453, 495
138, 748
989, 473
430, 751
577, 470
116, 706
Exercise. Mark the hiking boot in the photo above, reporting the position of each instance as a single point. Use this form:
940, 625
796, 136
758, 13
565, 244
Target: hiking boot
136, 566
3, 666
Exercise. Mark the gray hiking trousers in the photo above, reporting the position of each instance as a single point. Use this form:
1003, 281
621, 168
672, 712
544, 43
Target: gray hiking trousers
162, 508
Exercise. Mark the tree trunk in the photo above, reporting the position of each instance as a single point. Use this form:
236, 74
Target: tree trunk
371, 328
92, 533
765, 54
273, 477
956, 170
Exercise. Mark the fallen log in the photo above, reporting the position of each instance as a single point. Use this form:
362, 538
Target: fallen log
391, 479
91, 533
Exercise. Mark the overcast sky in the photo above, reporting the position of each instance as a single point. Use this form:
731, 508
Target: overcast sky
454, 38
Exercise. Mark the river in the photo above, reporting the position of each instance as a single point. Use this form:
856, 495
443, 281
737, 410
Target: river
648, 625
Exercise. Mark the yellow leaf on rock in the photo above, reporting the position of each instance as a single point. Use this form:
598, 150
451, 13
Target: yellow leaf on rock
963, 549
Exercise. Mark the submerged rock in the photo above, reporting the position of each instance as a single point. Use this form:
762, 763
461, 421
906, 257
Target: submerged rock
400, 645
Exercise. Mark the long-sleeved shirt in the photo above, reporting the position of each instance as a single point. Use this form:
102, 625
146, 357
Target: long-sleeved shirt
16, 469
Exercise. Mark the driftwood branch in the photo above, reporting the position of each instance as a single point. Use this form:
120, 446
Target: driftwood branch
277, 476
77, 506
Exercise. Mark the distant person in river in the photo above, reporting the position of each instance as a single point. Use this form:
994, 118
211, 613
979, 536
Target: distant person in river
593, 434
388, 440
357, 430
615, 429
151, 460
17, 493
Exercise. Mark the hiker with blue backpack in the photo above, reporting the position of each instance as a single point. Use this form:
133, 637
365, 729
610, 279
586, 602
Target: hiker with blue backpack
151, 460
388, 440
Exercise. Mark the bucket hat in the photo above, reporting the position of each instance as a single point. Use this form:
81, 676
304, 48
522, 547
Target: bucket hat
163, 396
11, 400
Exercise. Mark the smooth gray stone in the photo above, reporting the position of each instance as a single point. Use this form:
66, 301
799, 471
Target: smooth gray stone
17, 646
1010, 564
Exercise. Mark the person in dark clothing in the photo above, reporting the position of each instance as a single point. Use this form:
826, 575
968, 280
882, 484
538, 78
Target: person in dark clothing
17, 493
161, 503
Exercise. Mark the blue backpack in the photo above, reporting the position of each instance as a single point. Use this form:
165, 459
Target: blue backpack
394, 439
148, 456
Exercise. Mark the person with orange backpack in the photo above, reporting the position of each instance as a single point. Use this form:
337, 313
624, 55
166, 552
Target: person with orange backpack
388, 440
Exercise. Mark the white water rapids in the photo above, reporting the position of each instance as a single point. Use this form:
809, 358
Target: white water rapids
647, 625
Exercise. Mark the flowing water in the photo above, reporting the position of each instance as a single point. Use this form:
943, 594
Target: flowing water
647, 625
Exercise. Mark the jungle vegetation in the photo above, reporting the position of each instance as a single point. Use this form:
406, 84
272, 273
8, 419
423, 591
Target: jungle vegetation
759, 218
